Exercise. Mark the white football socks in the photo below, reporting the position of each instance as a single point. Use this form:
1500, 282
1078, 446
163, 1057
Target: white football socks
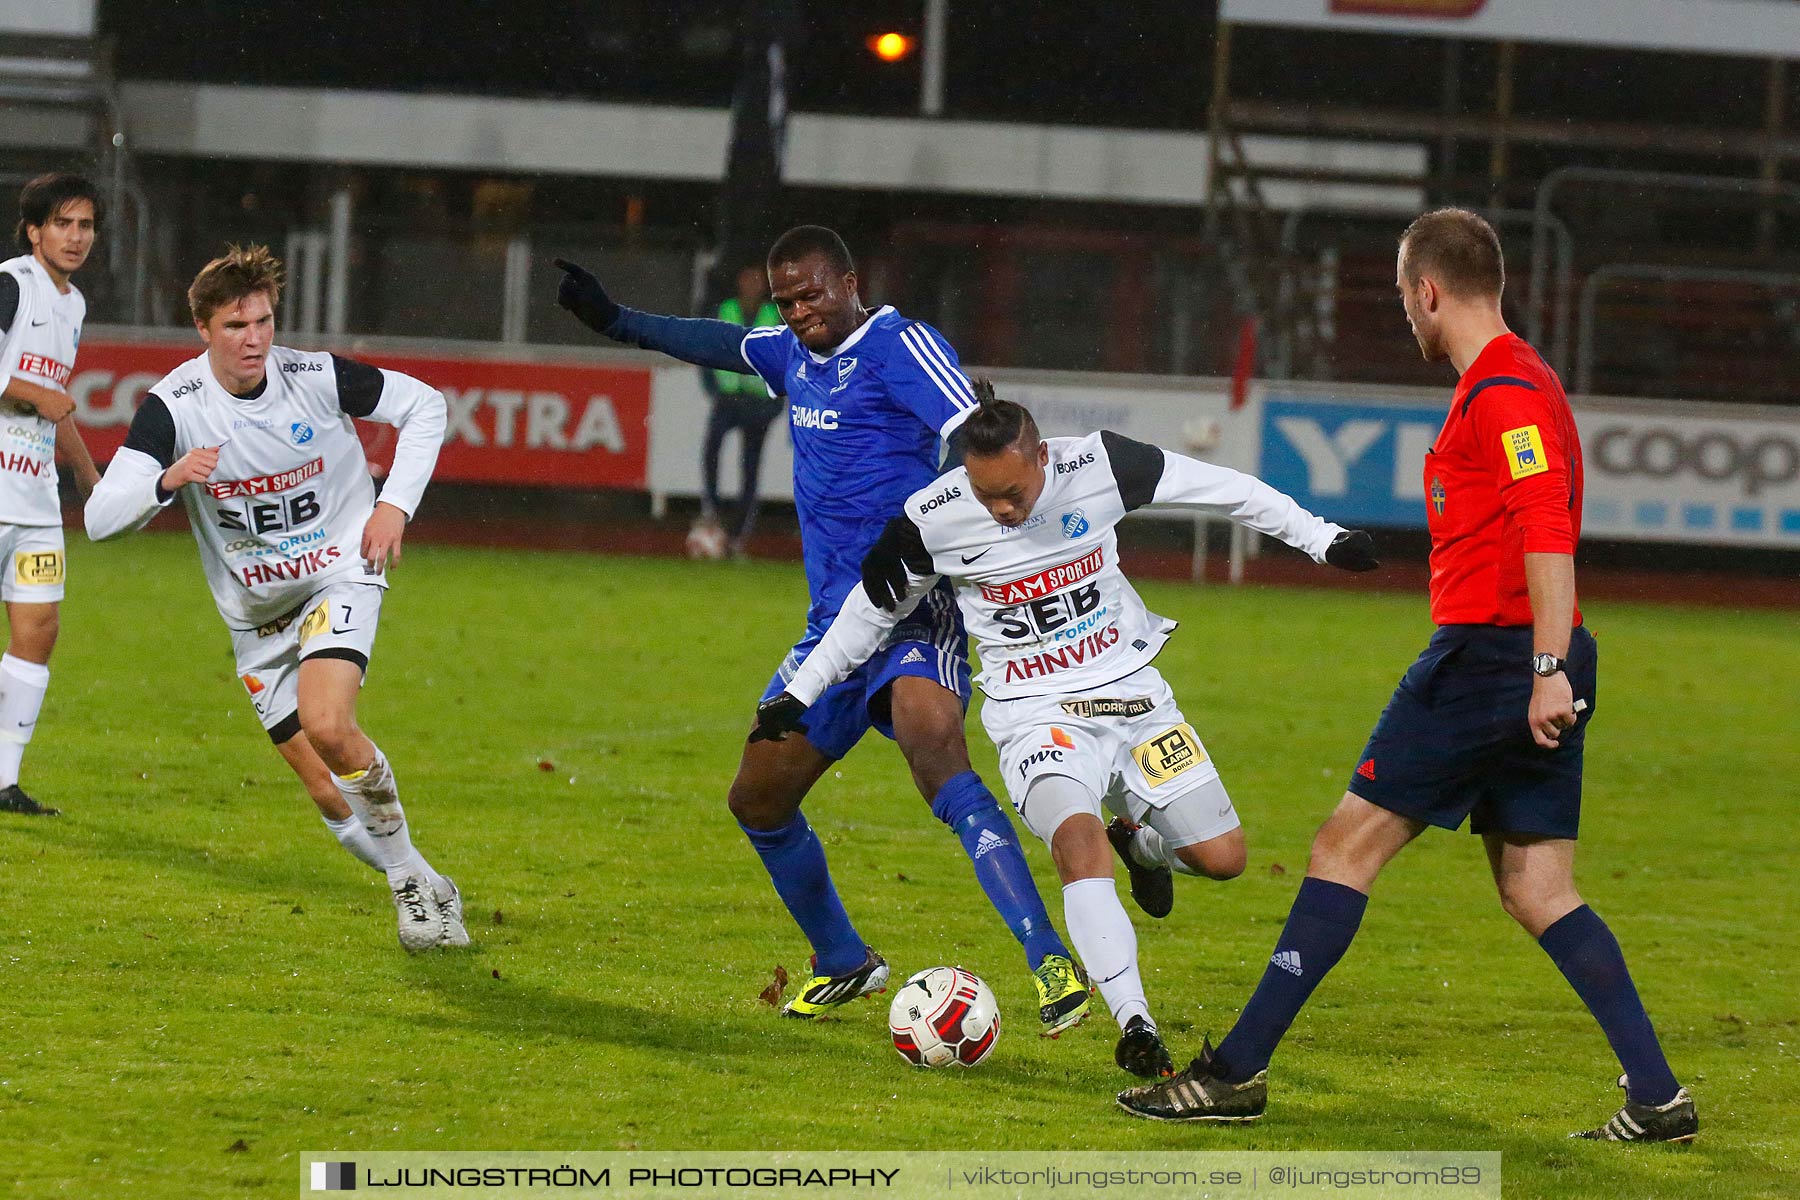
1149, 849
353, 837
1107, 943
374, 797
22, 688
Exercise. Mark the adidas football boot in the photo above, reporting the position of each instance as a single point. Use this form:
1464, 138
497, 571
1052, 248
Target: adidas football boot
1063, 991
822, 993
1199, 1094
1676, 1121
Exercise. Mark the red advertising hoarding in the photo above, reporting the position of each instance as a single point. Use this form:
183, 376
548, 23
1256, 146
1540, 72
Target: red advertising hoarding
510, 422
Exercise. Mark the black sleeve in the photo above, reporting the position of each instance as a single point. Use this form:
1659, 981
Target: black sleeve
358, 384
153, 431
1137, 467
9, 300
899, 548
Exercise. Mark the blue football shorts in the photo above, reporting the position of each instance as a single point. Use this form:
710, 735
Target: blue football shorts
1454, 742
929, 643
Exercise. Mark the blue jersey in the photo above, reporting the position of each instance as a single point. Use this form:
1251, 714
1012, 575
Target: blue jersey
867, 421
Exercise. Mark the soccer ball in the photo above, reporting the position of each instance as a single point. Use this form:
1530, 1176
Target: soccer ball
944, 1015
706, 540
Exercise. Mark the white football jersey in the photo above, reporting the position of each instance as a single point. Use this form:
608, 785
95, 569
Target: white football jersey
1053, 611
283, 514
38, 346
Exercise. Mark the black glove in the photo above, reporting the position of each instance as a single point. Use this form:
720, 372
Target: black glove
1352, 550
778, 717
884, 579
582, 295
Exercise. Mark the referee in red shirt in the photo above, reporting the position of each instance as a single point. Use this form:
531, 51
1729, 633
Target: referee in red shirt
1487, 725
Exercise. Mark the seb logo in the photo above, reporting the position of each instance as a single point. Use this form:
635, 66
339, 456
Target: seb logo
274, 515
1349, 462
1055, 616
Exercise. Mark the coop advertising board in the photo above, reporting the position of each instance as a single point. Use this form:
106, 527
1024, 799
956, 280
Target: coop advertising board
1760, 28
572, 425
1656, 472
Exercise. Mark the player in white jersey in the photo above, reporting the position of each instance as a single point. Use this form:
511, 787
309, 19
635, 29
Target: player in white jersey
1024, 531
40, 326
257, 441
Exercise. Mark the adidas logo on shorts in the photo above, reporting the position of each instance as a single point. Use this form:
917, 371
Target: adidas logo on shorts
912, 656
1289, 961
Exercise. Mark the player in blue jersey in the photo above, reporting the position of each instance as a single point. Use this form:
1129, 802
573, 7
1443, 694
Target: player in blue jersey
872, 396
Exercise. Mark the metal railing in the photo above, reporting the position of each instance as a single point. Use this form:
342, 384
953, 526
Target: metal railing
1590, 291
1543, 221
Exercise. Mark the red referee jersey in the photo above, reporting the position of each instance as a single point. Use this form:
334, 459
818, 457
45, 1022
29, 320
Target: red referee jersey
1502, 480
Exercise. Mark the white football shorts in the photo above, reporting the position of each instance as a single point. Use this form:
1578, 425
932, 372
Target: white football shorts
338, 621
34, 564
1128, 743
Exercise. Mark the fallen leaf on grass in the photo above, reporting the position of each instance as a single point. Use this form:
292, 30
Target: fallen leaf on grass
771, 995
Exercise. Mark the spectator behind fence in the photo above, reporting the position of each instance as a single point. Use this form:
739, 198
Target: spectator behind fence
743, 403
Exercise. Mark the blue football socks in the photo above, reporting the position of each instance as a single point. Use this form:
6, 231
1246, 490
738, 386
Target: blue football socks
1319, 929
972, 813
1588, 955
795, 861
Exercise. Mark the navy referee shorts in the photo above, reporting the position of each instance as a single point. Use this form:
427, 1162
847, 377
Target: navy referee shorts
1454, 741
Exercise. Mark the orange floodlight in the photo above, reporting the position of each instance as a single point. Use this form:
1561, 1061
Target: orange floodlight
890, 47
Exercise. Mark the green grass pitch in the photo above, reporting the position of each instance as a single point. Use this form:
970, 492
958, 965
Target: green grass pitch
189, 962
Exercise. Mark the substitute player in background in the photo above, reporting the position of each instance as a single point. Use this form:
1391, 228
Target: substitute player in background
40, 327
1488, 724
1024, 531
258, 442
870, 396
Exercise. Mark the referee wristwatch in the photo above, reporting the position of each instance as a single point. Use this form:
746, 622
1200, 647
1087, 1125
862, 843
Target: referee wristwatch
1547, 664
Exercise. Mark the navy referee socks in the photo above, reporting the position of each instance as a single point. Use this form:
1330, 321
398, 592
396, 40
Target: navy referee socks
1319, 929
1588, 955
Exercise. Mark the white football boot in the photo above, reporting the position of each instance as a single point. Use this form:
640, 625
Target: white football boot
421, 916
449, 906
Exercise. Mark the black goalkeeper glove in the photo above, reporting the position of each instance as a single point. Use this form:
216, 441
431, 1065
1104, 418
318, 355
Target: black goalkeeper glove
1352, 550
778, 717
582, 295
